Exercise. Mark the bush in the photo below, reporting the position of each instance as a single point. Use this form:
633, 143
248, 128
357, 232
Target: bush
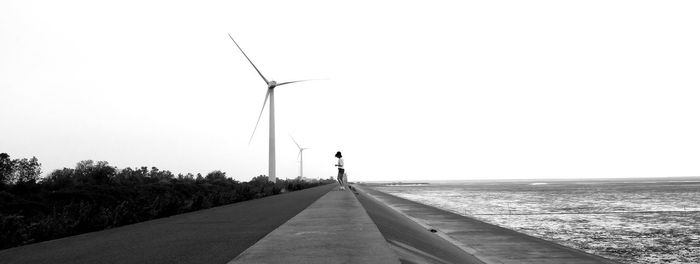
95, 196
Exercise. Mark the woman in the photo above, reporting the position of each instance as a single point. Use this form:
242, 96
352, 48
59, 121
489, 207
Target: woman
341, 170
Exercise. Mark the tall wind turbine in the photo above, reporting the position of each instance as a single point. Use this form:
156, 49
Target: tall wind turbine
271, 95
300, 157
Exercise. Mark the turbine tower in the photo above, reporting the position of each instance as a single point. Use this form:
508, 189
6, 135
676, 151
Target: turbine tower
300, 157
270, 93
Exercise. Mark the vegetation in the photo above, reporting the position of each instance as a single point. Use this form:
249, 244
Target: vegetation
95, 196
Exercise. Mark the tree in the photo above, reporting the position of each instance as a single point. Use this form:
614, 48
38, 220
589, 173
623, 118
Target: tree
160, 175
19, 170
89, 172
59, 179
216, 176
84, 165
187, 177
6, 168
27, 170
260, 180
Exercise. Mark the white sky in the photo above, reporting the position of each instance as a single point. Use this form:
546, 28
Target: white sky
417, 90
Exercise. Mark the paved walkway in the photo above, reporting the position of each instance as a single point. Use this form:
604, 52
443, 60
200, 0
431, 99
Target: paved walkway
334, 229
489, 243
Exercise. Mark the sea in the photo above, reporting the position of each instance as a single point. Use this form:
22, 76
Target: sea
628, 220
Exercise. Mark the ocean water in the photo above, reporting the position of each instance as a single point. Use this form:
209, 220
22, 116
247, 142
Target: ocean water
632, 221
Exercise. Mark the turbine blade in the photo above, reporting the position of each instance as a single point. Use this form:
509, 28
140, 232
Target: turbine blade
298, 81
299, 156
267, 94
295, 142
246, 56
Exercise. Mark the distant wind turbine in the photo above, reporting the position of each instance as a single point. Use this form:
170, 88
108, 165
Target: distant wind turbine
271, 95
300, 157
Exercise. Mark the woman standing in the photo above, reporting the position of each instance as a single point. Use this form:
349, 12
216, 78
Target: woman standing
341, 170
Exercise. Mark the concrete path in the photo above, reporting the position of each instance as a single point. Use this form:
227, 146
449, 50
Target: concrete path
487, 242
412, 242
207, 236
334, 229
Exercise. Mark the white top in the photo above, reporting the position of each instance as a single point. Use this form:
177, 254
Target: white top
341, 163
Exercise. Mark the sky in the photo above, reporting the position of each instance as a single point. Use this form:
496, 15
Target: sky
413, 90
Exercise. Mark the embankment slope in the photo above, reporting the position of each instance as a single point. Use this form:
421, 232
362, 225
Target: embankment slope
215, 235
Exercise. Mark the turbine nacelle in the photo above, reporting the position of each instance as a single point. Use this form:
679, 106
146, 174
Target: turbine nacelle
271, 84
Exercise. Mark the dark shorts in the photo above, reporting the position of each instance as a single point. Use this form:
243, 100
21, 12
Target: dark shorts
340, 174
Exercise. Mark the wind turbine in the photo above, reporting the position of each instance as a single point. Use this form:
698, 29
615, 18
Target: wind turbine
300, 157
271, 95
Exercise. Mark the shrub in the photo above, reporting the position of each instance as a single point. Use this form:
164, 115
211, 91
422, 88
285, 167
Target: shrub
95, 196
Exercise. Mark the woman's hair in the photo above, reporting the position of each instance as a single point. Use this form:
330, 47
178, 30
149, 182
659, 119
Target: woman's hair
338, 155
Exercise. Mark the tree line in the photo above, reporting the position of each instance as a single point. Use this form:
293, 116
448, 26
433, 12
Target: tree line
95, 196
